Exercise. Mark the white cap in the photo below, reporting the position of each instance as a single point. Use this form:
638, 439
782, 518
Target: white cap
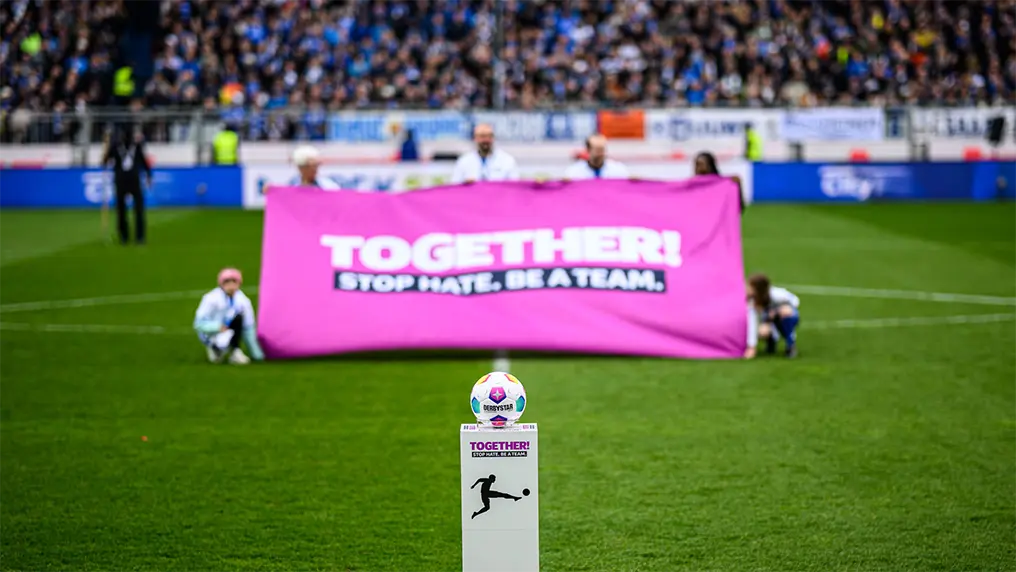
305, 154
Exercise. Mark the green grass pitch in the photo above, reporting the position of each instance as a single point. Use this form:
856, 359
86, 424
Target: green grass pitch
889, 445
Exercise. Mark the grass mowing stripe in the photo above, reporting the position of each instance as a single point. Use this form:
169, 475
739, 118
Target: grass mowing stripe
21, 241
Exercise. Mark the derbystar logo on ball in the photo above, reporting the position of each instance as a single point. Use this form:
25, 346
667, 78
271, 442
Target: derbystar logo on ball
498, 399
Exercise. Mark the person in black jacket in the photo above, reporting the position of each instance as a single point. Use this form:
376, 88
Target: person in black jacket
127, 156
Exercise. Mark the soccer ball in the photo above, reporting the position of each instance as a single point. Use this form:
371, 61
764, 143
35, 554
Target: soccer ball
498, 399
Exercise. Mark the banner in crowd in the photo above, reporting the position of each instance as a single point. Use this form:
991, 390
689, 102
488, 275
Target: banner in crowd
386, 126
535, 127
622, 124
833, 124
401, 177
960, 122
619, 267
76, 187
852, 182
818, 124
688, 125
512, 126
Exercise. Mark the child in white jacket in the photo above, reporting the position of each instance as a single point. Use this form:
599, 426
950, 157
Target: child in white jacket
225, 319
773, 312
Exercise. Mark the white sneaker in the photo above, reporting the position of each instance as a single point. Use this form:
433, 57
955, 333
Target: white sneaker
238, 357
214, 355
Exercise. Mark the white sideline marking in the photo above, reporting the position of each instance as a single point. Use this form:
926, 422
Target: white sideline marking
87, 328
501, 361
108, 300
99, 301
844, 291
901, 295
913, 321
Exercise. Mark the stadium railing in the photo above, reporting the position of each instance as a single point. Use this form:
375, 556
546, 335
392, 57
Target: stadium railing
909, 128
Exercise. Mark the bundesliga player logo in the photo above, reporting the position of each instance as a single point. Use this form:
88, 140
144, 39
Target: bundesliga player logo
486, 493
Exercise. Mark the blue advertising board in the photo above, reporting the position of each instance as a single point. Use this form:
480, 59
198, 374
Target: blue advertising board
569, 126
896, 123
988, 176
380, 127
85, 187
778, 182
859, 182
536, 126
516, 126
350, 129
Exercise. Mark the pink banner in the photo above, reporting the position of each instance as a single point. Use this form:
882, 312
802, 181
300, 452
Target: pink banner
620, 267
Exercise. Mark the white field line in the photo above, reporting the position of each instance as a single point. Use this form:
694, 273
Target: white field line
501, 360
90, 328
848, 292
844, 291
107, 300
502, 363
911, 321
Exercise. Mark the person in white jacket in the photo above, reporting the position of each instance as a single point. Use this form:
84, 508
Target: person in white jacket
225, 320
486, 163
308, 160
596, 165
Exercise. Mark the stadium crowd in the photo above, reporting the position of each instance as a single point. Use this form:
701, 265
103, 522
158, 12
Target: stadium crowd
317, 56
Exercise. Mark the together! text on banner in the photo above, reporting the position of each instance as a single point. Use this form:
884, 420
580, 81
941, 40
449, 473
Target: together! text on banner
609, 266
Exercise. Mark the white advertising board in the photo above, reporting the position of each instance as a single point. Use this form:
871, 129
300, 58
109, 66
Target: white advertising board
833, 124
500, 498
961, 123
711, 124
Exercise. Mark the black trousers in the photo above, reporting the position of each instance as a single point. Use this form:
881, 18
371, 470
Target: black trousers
131, 189
237, 326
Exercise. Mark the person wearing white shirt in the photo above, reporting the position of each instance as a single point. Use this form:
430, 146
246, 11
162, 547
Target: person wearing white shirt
597, 165
486, 163
307, 160
773, 313
225, 320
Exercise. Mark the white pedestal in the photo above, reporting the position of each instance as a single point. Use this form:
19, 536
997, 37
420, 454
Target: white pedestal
506, 536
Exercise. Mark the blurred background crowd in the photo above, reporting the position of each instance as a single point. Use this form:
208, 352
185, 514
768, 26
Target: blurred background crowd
311, 57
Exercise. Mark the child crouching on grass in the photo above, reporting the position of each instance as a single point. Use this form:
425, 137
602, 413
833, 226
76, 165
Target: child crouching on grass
225, 319
772, 314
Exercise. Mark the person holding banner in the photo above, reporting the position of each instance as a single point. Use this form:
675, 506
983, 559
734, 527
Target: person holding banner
596, 165
225, 319
486, 163
773, 313
705, 164
307, 160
